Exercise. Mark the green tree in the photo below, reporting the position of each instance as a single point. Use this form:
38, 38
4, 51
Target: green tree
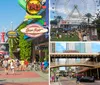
13, 44
24, 45
53, 22
97, 23
58, 18
89, 16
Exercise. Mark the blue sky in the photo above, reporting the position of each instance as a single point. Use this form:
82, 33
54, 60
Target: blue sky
63, 8
61, 46
10, 11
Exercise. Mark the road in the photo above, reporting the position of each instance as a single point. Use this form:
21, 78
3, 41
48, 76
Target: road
65, 81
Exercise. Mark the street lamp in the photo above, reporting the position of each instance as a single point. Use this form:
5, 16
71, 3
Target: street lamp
76, 72
11, 25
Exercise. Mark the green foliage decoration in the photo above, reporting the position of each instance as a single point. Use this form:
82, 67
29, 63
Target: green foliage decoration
24, 45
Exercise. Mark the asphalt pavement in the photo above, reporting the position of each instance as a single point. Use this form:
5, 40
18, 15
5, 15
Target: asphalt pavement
70, 81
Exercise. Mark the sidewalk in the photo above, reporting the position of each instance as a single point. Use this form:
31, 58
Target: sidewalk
55, 83
43, 75
24, 78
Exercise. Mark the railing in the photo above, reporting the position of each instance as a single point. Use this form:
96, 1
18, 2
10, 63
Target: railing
76, 63
92, 63
54, 64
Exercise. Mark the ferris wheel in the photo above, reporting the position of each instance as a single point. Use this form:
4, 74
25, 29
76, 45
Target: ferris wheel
65, 7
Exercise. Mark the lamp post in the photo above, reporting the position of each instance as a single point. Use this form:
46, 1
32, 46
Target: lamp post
76, 72
11, 25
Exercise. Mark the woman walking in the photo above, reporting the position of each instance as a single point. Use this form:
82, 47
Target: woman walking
12, 67
5, 65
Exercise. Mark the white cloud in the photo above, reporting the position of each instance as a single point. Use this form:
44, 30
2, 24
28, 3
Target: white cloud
64, 10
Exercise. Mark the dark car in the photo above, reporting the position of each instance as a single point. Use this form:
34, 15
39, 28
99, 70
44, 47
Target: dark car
87, 79
64, 75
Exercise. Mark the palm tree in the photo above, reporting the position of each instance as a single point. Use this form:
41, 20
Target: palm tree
58, 18
89, 16
53, 22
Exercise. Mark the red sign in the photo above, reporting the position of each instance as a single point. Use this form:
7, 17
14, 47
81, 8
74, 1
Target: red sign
33, 6
63, 22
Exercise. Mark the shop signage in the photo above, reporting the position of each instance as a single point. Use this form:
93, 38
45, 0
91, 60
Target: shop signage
11, 34
34, 30
33, 7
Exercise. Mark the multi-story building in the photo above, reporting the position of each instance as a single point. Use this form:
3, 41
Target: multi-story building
78, 47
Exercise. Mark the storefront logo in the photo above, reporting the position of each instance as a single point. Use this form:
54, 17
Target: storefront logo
33, 7
34, 30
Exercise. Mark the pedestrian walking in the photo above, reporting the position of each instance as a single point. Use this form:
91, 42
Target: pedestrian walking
12, 66
57, 78
46, 64
77, 80
18, 65
42, 66
5, 65
53, 78
22, 65
25, 64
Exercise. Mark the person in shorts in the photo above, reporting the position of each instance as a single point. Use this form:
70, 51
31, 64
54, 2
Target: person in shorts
5, 65
25, 64
18, 65
12, 67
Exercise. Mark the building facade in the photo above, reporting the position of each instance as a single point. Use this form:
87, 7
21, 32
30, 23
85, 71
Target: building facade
66, 47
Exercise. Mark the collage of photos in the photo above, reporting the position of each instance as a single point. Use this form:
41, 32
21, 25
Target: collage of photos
74, 42
50, 42
24, 42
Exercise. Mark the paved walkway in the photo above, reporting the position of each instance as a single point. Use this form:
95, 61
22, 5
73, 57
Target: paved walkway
24, 78
54, 83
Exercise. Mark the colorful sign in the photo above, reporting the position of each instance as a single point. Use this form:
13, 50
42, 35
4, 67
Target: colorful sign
33, 6
34, 30
12, 34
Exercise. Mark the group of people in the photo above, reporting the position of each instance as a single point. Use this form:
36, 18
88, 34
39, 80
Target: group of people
82, 33
44, 66
10, 65
54, 78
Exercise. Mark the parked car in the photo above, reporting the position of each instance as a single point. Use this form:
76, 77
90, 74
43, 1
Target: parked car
87, 79
62, 73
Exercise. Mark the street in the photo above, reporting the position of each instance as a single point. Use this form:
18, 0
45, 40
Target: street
65, 81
